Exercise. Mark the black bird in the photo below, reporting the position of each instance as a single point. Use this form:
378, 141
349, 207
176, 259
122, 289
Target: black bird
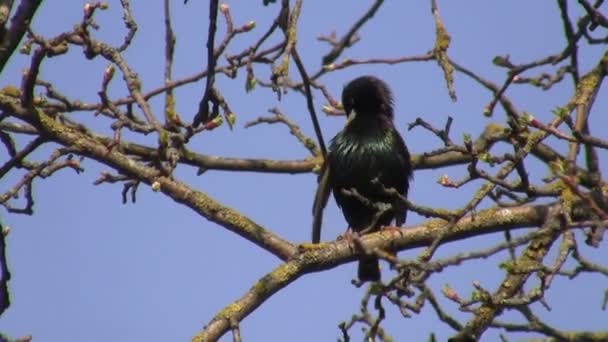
368, 147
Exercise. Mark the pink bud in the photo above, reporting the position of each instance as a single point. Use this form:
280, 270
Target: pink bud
249, 26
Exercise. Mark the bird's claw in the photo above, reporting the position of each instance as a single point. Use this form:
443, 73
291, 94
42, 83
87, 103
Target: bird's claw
391, 228
348, 235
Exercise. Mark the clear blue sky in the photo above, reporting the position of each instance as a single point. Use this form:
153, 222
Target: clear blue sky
88, 268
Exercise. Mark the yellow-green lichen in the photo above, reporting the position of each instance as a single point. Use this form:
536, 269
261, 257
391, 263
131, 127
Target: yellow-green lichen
170, 113
11, 91
230, 310
442, 43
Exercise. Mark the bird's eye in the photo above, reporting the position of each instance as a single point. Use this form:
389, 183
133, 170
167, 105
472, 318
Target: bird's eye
351, 102
347, 104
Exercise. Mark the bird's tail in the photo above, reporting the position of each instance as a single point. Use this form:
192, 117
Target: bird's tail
369, 269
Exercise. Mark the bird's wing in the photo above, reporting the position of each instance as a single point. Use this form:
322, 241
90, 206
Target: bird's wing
320, 202
405, 177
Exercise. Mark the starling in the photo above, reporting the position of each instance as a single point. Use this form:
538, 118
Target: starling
369, 147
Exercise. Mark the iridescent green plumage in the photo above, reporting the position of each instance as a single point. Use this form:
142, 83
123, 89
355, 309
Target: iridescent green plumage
368, 147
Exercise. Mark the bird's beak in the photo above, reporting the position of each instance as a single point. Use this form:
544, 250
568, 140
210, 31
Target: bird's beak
351, 117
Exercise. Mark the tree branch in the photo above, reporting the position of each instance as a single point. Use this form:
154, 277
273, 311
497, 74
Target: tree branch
19, 24
329, 255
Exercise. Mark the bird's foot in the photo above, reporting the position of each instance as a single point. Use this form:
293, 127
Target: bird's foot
391, 228
354, 239
349, 235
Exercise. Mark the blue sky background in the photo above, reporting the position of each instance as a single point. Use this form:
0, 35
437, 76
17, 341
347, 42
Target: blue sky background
88, 268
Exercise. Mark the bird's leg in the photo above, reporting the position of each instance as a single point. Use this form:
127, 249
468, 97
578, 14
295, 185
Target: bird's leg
348, 235
353, 238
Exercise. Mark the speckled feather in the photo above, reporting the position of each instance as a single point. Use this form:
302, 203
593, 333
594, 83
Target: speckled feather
368, 148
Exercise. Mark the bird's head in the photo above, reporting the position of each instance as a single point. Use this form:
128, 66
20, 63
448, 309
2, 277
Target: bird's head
367, 95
